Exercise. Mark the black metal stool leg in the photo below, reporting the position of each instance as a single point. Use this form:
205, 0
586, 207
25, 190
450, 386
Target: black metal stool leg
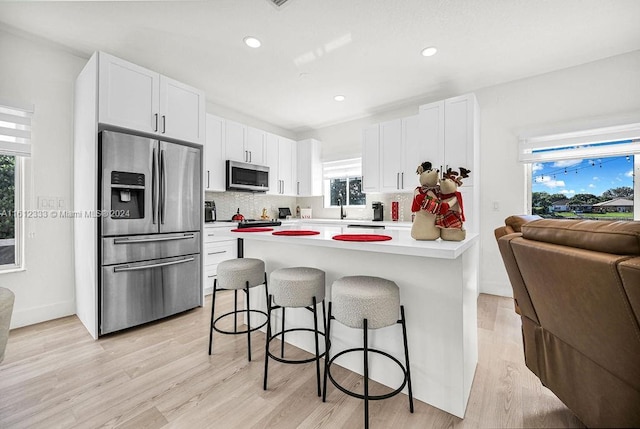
213, 306
266, 348
315, 326
248, 324
235, 309
406, 354
326, 355
282, 343
366, 376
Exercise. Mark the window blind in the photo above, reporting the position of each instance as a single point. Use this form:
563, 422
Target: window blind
343, 168
606, 141
15, 128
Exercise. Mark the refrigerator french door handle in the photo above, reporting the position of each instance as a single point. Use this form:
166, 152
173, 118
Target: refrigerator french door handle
122, 268
151, 240
154, 190
163, 186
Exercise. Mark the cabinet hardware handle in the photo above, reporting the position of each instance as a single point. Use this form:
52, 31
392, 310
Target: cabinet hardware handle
246, 156
212, 276
211, 235
156, 120
298, 188
217, 253
250, 156
164, 124
208, 185
397, 180
402, 180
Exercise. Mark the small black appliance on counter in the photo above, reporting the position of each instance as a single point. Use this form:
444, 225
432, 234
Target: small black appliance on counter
378, 211
209, 211
283, 212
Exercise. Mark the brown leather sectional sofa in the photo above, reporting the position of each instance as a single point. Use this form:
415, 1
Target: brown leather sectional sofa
576, 284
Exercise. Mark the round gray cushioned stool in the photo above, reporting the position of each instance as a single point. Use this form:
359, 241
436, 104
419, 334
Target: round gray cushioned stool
297, 287
364, 302
238, 274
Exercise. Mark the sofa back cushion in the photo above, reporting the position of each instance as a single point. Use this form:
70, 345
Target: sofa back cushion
616, 237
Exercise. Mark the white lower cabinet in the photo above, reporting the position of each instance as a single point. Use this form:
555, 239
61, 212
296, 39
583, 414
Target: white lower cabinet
216, 250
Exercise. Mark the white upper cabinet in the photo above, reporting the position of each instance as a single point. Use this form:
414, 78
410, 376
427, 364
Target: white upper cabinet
399, 154
214, 175
450, 132
280, 154
245, 144
371, 159
309, 168
255, 146
139, 99
234, 141
390, 155
287, 165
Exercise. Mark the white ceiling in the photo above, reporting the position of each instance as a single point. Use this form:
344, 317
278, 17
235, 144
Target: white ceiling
367, 50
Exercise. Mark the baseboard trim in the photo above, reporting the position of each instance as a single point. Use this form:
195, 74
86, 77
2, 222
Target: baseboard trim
33, 315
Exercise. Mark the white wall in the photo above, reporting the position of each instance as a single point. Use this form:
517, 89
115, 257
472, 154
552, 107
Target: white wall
44, 75
609, 87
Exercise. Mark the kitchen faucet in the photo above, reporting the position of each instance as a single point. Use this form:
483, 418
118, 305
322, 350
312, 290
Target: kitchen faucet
343, 214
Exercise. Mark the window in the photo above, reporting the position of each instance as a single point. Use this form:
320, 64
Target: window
343, 183
15, 138
586, 174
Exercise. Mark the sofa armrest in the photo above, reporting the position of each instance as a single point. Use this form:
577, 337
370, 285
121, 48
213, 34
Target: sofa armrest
514, 224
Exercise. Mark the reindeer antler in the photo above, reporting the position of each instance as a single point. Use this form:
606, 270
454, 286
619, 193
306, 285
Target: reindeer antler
464, 173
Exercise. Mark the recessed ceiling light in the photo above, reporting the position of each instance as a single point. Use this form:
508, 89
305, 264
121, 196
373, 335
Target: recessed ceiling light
252, 42
339, 98
430, 51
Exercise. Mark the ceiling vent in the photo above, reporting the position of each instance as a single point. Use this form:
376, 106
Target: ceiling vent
278, 3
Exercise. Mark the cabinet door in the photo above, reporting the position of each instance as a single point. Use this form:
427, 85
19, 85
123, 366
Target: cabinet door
182, 111
214, 175
286, 165
271, 156
459, 134
431, 119
234, 141
412, 155
255, 146
128, 95
390, 155
371, 159
308, 168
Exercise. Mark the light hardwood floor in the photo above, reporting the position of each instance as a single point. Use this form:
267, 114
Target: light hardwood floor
160, 376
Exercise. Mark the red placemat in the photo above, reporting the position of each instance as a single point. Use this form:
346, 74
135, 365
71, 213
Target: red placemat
296, 232
361, 237
254, 229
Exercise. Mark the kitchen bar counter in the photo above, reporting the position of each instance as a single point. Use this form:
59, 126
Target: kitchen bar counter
438, 286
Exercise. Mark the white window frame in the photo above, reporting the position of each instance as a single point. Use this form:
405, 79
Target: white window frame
571, 140
341, 169
15, 140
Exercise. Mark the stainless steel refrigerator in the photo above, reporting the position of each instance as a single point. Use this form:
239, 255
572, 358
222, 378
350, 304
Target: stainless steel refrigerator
150, 208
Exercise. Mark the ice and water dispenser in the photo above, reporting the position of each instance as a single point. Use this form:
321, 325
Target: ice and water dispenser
127, 195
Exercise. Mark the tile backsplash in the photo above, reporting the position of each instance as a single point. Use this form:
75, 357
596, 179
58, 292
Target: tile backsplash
251, 205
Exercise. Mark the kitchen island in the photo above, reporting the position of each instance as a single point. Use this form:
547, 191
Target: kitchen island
438, 283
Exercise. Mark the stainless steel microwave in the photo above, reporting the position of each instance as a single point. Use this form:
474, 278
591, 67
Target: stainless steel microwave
247, 177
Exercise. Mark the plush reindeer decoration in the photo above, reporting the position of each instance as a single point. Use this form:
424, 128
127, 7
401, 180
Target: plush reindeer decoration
426, 204
450, 218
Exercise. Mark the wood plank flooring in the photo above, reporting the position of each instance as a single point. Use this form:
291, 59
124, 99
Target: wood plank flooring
160, 376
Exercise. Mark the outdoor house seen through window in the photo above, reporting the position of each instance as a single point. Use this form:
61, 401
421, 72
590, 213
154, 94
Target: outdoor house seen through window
343, 183
15, 145
586, 174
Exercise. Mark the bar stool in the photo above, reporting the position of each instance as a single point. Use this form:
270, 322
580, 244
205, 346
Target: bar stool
297, 287
238, 274
364, 302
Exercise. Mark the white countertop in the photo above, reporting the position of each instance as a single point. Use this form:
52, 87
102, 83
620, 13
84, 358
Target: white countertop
401, 242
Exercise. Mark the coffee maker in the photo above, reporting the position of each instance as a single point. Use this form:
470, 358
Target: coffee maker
378, 211
209, 211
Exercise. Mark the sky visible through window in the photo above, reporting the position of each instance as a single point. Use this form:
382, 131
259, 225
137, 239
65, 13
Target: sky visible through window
582, 176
